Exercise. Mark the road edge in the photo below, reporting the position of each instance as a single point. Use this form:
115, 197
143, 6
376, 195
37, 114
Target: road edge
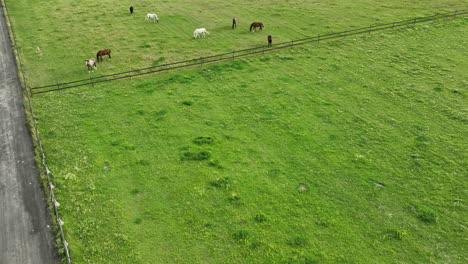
30, 122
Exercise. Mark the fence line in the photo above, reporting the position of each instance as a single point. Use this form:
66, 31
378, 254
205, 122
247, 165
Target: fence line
239, 53
55, 203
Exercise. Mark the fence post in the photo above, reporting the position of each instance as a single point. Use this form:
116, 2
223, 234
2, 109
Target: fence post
292, 42
318, 38
233, 54
414, 22
263, 49
92, 84
393, 25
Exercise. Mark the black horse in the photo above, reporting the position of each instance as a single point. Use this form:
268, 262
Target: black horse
131, 10
270, 40
234, 22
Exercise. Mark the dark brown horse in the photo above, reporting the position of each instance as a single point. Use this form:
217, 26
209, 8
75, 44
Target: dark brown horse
255, 25
102, 53
234, 22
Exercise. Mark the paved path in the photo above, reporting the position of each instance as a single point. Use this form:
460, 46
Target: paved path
25, 231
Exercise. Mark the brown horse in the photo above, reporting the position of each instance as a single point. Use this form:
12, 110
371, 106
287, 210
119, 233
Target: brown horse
102, 53
255, 25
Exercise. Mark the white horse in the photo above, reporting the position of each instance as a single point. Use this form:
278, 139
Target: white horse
201, 31
152, 16
91, 63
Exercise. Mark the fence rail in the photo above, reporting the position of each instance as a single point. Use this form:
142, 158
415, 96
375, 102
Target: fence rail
238, 53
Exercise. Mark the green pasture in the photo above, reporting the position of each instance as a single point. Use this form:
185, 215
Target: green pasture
56, 36
349, 151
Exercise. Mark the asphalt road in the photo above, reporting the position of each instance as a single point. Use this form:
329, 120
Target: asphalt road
25, 230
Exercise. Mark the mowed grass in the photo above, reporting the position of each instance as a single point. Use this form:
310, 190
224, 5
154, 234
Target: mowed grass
351, 151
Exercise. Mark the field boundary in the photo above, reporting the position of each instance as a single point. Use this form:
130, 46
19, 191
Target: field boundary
238, 53
35, 133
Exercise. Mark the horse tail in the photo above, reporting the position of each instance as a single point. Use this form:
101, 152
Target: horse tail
97, 55
251, 25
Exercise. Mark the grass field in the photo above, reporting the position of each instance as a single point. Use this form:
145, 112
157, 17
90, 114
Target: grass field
351, 151
72, 31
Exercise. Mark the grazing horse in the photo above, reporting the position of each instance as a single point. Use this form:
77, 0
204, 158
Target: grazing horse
131, 10
270, 40
152, 16
199, 31
91, 63
102, 53
255, 25
234, 22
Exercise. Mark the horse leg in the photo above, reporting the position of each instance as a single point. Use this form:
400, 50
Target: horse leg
109, 56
